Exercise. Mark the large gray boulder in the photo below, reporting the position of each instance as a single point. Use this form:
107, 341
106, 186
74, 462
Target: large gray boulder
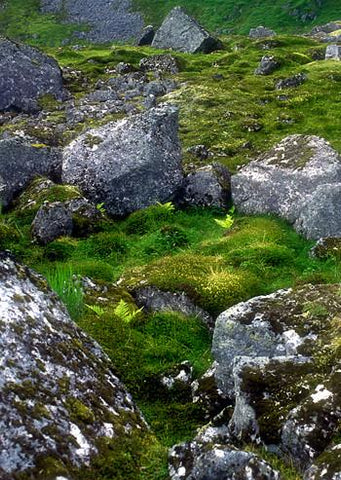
20, 161
182, 33
299, 180
106, 20
130, 164
26, 75
59, 398
333, 52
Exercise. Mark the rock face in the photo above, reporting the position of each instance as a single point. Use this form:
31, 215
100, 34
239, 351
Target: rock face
209, 186
27, 75
299, 180
20, 161
333, 52
182, 33
109, 20
268, 65
261, 32
267, 354
58, 392
130, 164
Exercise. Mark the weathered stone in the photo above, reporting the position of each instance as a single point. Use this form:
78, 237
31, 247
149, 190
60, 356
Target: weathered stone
292, 82
147, 36
327, 247
26, 76
192, 461
261, 32
333, 52
20, 161
209, 186
122, 68
327, 466
159, 64
109, 20
155, 300
200, 151
53, 220
130, 164
58, 393
327, 28
268, 65
182, 33
299, 180
207, 395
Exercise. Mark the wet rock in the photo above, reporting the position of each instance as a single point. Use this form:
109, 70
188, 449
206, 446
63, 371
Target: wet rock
292, 82
59, 395
21, 160
110, 20
268, 65
182, 33
160, 64
333, 52
53, 220
261, 32
147, 36
327, 247
209, 186
155, 300
192, 461
27, 75
299, 180
130, 164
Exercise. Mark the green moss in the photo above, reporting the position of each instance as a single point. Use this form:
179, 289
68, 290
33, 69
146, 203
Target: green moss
78, 411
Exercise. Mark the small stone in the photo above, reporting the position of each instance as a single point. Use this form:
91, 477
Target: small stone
261, 32
268, 65
52, 220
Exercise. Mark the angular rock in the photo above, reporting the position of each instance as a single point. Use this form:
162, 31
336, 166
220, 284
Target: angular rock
20, 161
182, 33
58, 393
291, 82
207, 395
130, 164
261, 32
192, 461
147, 36
155, 300
159, 64
268, 65
299, 180
333, 52
209, 186
26, 76
53, 220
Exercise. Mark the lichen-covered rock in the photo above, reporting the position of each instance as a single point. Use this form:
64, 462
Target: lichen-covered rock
107, 21
299, 180
193, 461
59, 395
53, 220
182, 33
326, 466
327, 247
291, 82
333, 52
165, 63
267, 65
261, 32
27, 75
21, 160
209, 186
130, 164
155, 300
207, 395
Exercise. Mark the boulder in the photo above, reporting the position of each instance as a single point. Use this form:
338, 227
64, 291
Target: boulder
333, 52
26, 76
268, 65
130, 164
111, 19
53, 220
182, 33
147, 36
299, 180
60, 402
209, 186
261, 32
155, 300
20, 161
291, 82
327, 28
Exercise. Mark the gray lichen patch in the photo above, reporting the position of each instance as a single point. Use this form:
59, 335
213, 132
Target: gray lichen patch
57, 389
